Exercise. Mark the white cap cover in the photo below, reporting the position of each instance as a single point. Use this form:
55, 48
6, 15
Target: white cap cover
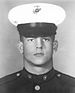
36, 12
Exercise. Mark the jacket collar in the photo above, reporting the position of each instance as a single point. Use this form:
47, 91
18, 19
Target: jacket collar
39, 78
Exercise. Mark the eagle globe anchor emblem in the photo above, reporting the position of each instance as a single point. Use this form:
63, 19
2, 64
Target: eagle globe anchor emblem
36, 9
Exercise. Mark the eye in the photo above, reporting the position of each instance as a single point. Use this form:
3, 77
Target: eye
46, 39
30, 39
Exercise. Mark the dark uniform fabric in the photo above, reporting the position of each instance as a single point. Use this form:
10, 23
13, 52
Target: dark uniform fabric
25, 82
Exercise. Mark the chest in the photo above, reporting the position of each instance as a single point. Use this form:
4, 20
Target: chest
29, 86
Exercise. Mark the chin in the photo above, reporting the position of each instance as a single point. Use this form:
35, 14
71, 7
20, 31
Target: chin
39, 62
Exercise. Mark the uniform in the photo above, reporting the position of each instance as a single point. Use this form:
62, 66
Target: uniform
25, 82
33, 20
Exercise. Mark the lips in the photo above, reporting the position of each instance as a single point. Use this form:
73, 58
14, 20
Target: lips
39, 54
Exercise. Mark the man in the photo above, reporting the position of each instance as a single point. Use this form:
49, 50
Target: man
37, 25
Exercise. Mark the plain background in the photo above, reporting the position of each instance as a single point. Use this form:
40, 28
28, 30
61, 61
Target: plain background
10, 58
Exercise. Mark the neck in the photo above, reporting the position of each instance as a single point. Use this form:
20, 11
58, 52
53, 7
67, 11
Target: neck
38, 69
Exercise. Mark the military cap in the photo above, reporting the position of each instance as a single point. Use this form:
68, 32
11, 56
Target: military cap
36, 18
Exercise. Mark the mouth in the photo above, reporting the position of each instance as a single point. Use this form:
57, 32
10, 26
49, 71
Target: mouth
39, 54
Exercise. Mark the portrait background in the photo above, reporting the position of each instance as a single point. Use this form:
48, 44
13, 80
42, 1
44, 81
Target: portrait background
10, 58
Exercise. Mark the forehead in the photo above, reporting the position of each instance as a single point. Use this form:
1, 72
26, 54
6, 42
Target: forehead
47, 37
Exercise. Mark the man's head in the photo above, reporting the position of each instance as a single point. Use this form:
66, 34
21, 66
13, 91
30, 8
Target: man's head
37, 42
37, 24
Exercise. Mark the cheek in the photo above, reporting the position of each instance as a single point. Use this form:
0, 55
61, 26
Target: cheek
28, 49
49, 49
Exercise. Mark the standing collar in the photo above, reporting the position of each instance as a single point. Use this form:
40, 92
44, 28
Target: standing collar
39, 78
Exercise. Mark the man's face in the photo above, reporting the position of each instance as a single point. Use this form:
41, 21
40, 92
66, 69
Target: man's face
38, 50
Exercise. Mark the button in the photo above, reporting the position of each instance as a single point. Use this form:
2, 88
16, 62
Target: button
29, 76
58, 75
18, 74
37, 87
45, 77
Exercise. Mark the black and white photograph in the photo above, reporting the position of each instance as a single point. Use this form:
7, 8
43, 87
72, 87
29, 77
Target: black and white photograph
37, 46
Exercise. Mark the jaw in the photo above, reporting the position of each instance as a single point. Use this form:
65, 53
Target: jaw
38, 68
39, 61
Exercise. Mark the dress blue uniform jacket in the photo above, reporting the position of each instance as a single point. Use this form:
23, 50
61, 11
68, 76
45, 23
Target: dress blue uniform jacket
25, 82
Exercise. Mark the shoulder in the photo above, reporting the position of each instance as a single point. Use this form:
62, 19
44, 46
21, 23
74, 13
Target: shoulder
10, 78
65, 78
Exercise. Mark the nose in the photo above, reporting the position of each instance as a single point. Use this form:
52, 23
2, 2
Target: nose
39, 43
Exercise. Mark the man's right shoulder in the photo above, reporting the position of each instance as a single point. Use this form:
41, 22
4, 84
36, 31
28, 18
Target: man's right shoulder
9, 78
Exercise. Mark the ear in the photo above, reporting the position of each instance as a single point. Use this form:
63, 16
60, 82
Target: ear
55, 45
20, 47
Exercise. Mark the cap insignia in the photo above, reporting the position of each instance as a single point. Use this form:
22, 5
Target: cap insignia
36, 9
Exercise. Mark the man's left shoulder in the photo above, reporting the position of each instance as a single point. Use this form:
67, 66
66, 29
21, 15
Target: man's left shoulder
66, 79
